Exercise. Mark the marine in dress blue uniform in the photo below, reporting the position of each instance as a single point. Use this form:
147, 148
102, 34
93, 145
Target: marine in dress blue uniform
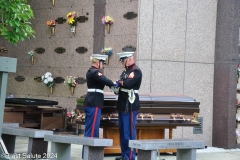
128, 104
93, 102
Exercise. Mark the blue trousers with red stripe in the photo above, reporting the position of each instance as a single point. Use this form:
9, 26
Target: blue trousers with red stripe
127, 129
92, 122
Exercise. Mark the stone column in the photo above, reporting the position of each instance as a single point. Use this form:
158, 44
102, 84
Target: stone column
225, 74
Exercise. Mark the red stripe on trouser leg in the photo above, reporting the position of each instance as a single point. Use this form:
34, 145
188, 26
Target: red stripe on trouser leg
94, 122
131, 132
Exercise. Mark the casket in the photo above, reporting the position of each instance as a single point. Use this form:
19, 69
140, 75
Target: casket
34, 113
157, 113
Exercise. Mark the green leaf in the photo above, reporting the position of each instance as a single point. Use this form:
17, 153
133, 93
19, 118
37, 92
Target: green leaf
17, 15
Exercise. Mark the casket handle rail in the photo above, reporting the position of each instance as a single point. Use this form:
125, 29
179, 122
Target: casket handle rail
195, 117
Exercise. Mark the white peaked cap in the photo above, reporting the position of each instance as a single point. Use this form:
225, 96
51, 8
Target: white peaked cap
125, 54
100, 56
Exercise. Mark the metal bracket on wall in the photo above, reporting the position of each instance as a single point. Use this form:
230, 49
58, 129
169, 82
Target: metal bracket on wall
60, 50
3, 50
39, 50
130, 15
82, 19
38, 79
58, 79
81, 50
19, 78
81, 80
129, 48
60, 20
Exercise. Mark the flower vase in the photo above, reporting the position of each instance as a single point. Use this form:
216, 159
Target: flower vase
32, 60
108, 28
53, 2
51, 90
72, 90
73, 29
53, 31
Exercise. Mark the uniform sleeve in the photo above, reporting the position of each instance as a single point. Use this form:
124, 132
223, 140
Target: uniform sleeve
103, 79
130, 82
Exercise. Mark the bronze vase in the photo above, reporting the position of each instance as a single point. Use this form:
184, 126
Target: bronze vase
72, 90
32, 59
53, 31
108, 28
51, 90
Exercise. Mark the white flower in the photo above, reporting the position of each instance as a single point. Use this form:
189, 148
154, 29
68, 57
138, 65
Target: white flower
45, 81
50, 79
43, 77
48, 74
73, 113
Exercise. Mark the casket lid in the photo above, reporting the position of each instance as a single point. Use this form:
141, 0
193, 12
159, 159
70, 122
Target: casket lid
30, 101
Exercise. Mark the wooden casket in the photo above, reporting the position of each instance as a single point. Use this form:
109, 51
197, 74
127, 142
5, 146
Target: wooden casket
34, 113
158, 112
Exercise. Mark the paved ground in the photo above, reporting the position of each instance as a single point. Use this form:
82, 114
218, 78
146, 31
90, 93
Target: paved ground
76, 152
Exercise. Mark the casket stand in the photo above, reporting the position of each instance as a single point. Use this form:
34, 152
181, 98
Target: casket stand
158, 112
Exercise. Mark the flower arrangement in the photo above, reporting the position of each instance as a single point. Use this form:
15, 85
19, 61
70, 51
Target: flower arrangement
47, 79
238, 71
107, 20
70, 81
31, 54
71, 115
51, 23
72, 18
107, 51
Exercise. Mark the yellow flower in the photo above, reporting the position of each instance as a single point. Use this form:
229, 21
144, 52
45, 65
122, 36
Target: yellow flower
71, 20
69, 15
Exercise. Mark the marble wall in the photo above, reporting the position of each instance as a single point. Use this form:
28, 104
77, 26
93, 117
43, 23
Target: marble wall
91, 35
176, 47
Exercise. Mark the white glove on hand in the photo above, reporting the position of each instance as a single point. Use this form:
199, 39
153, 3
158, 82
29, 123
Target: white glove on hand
115, 89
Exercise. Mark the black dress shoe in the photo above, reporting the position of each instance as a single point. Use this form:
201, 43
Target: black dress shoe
121, 158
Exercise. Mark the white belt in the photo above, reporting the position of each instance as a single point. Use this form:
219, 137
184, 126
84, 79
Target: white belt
126, 90
95, 90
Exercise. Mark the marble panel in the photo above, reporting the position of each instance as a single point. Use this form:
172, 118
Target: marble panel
201, 31
146, 68
80, 59
122, 26
118, 1
82, 29
145, 29
169, 30
43, 59
117, 42
40, 4
198, 84
39, 23
62, 30
167, 77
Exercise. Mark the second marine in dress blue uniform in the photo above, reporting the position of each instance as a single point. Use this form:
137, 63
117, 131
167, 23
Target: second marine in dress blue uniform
128, 104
